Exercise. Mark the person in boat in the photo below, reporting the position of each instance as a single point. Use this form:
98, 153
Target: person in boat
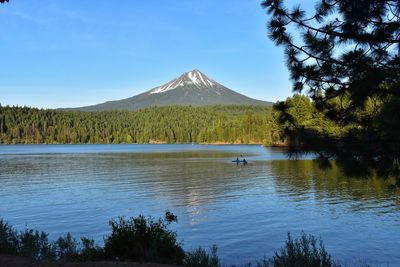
244, 161
237, 159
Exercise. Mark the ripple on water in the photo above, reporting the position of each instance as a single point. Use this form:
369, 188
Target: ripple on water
246, 210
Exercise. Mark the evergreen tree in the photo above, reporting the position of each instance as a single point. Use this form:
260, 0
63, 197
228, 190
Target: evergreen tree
345, 56
172, 124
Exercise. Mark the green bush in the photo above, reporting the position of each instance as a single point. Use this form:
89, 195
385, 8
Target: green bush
137, 239
8, 239
90, 252
29, 243
144, 239
307, 251
149, 240
34, 244
66, 247
200, 258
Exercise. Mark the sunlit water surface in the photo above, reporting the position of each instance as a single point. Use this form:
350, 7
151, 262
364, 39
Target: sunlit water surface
246, 210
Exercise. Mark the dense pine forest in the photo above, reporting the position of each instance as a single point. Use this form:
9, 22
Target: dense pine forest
172, 124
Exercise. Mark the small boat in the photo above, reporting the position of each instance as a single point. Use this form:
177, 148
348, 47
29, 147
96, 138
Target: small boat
240, 161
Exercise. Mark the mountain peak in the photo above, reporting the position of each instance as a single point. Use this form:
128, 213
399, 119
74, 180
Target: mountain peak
191, 88
195, 71
194, 78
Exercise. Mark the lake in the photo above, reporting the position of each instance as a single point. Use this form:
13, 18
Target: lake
246, 211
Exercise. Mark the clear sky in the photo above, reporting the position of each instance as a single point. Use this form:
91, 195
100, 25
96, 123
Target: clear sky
63, 53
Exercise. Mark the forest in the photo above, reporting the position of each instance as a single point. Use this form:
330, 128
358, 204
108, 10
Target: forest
173, 124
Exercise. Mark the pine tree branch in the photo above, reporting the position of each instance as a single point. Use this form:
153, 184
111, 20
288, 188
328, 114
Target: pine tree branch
362, 38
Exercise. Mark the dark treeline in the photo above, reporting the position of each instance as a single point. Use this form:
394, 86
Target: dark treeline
174, 124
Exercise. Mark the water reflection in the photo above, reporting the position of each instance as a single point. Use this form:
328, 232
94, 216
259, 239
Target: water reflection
188, 180
305, 179
246, 210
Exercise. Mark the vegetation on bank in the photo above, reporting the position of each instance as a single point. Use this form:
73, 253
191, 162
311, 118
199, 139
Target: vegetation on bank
173, 124
134, 239
144, 239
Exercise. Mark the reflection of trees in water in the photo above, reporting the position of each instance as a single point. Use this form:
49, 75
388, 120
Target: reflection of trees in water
191, 180
194, 181
305, 179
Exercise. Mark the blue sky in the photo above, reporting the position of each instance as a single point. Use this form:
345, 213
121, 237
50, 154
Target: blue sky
67, 53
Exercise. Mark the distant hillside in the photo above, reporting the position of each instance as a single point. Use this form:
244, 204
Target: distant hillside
191, 88
171, 124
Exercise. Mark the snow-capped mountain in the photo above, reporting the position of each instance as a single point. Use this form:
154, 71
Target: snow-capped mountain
193, 78
191, 88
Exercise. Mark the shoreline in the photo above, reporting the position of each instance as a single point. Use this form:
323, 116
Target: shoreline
21, 261
151, 143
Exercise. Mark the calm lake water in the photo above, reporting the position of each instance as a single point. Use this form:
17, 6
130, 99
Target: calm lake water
245, 210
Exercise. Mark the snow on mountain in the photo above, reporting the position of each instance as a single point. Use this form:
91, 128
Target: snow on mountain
191, 88
194, 77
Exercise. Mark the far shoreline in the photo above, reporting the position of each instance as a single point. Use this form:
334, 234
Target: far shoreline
151, 143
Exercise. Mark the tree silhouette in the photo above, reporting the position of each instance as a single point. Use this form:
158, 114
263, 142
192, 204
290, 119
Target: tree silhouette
345, 57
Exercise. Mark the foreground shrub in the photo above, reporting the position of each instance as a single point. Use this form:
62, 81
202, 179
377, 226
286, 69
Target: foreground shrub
69, 249
8, 239
144, 239
200, 258
66, 247
90, 252
149, 240
34, 244
307, 251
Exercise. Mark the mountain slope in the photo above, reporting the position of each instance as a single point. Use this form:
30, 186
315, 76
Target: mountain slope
191, 88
